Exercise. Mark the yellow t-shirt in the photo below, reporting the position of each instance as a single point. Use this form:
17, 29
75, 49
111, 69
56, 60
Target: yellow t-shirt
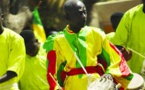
12, 57
130, 34
34, 77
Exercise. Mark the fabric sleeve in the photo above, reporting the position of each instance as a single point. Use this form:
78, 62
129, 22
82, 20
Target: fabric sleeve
116, 64
54, 61
17, 56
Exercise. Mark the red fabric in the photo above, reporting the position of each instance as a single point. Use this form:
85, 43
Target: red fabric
123, 65
121, 88
76, 71
51, 56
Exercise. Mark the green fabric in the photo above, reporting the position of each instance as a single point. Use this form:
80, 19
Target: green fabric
130, 77
36, 17
76, 41
130, 34
94, 42
61, 68
105, 56
12, 57
37, 26
78, 44
50, 41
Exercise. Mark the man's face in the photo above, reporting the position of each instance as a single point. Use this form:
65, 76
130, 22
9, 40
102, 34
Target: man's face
78, 16
32, 47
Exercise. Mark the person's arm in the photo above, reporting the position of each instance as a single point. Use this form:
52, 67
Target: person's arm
16, 60
9, 75
116, 64
52, 66
121, 36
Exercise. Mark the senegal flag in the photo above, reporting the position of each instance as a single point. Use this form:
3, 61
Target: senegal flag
37, 26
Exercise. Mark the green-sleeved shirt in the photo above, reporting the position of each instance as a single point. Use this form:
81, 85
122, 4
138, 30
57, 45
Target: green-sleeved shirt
87, 45
12, 57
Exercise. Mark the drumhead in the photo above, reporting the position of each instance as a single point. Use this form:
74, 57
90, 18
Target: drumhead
136, 83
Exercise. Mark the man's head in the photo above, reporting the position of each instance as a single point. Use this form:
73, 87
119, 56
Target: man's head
31, 43
76, 14
115, 19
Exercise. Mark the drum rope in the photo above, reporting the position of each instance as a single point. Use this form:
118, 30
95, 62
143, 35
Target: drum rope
136, 52
60, 88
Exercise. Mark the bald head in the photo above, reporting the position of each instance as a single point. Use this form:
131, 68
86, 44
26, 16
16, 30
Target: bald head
71, 5
75, 13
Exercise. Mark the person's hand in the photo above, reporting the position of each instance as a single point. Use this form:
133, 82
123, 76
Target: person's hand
103, 83
127, 54
107, 76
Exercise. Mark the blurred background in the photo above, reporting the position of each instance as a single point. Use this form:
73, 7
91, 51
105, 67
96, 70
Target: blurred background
18, 13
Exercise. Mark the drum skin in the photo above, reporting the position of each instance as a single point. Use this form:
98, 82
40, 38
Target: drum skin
137, 83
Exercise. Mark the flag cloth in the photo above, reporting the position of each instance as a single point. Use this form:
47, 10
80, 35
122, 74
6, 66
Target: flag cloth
37, 26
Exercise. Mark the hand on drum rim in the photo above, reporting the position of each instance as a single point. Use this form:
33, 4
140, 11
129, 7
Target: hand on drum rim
107, 76
104, 84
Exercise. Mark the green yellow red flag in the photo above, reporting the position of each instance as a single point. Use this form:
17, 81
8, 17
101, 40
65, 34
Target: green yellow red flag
37, 26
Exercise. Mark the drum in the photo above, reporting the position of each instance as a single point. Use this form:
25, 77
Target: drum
137, 83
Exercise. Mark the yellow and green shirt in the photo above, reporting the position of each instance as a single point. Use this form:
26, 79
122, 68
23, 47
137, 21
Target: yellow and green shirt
87, 45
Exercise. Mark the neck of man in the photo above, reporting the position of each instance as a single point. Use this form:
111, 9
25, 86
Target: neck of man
75, 29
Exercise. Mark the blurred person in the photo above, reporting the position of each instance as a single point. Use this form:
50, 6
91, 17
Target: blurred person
115, 19
34, 77
130, 34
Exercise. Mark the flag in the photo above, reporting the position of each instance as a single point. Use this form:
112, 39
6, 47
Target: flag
37, 26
